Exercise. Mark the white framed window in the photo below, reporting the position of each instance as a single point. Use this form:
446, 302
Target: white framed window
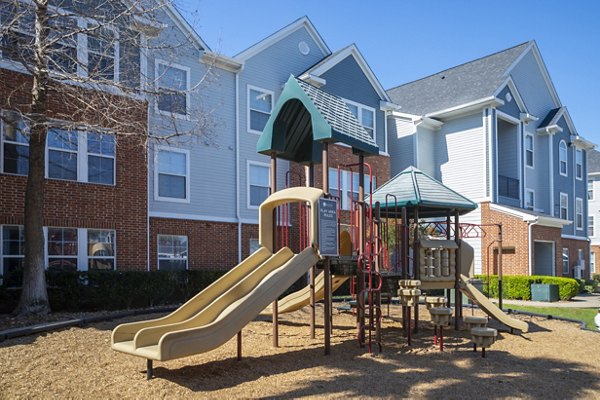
591, 232
563, 167
13, 249
364, 114
173, 87
564, 206
100, 158
63, 248
529, 147
260, 106
579, 213
579, 164
172, 174
592, 262
590, 189
259, 183
81, 156
529, 199
63, 148
92, 52
172, 252
253, 245
15, 146
101, 249
565, 261
346, 187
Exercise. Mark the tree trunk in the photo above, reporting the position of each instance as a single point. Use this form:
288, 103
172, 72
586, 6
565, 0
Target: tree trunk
34, 296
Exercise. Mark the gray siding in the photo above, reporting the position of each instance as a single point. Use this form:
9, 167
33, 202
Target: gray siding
532, 87
347, 80
460, 157
269, 70
426, 150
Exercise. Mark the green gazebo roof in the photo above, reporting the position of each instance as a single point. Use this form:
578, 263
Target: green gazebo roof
304, 116
413, 188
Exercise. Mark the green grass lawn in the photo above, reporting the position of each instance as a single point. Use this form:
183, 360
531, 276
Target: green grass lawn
583, 314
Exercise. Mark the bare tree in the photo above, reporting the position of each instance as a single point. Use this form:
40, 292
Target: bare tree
83, 59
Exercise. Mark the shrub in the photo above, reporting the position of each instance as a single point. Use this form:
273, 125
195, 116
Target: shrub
518, 287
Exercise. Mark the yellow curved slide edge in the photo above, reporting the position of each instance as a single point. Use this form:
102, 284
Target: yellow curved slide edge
126, 332
226, 315
490, 308
301, 298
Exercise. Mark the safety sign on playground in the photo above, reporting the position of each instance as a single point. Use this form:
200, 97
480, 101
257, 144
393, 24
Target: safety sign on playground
328, 227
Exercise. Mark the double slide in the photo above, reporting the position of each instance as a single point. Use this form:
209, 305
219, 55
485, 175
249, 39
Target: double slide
219, 312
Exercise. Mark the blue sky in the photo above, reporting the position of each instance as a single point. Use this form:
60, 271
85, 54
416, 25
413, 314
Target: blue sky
406, 40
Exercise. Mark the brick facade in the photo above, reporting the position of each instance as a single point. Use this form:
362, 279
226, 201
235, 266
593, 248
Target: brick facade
516, 245
122, 207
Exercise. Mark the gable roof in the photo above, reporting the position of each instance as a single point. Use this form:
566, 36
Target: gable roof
593, 162
280, 34
336, 57
305, 114
463, 84
185, 26
552, 117
414, 188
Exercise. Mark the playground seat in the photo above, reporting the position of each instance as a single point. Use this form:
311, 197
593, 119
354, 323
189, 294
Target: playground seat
409, 283
409, 297
434, 301
440, 315
483, 337
472, 321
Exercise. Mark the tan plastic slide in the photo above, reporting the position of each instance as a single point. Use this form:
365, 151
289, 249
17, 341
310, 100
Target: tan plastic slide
301, 298
490, 308
220, 311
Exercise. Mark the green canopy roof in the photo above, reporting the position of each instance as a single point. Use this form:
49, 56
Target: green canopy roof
413, 188
304, 116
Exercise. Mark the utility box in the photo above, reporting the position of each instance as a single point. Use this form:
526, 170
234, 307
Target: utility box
544, 292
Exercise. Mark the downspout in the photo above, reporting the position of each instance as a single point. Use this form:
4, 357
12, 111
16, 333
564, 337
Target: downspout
237, 167
531, 248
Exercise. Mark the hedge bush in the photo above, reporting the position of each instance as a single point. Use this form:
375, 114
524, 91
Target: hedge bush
117, 290
518, 287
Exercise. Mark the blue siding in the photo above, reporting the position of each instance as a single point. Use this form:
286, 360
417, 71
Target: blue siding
346, 79
510, 107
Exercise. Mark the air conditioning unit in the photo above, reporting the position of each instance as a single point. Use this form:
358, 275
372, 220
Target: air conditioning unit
579, 271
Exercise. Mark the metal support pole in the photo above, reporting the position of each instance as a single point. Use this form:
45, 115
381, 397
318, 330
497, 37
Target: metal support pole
416, 263
327, 269
149, 369
457, 294
500, 266
239, 346
310, 182
275, 305
360, 300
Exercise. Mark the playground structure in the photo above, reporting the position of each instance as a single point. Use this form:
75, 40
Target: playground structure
367, 244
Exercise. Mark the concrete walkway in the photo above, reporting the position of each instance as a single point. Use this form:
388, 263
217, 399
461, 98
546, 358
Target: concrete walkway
585, 300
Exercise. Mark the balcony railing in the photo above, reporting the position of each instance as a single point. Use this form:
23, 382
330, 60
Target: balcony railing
508, 187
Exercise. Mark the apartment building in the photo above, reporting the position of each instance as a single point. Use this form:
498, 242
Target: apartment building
495, 130
593, 199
